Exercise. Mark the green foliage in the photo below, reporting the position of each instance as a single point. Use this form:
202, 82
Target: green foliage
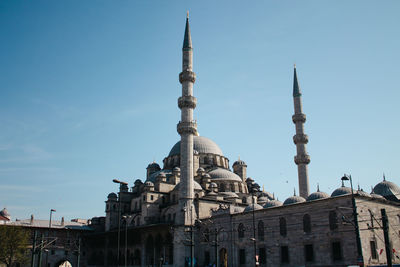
14, 244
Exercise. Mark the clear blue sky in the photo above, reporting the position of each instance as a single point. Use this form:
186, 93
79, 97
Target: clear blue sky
89, 93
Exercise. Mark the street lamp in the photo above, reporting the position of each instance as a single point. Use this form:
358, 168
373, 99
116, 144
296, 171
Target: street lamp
360, 259
254, 229
119, 213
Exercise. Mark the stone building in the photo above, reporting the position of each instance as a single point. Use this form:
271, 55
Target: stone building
196, 205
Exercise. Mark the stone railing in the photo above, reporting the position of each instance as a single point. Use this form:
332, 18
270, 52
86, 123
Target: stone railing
300, 139
302, 159
187, 76
299, 117
187, 127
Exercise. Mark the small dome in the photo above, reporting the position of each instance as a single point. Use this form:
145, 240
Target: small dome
250, 207
153, 165
343, 190
222, 174
201, 144
213, 185
293, 200
272, 203
249, 180
200, 170
262, 200
148, 184
317, 195
138, 181
388, 190
176, 169
112, 196
4, 213
239, 162
207, 176
196, 186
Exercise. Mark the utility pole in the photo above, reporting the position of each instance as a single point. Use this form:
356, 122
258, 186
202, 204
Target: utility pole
40, 252
33, 248
386, 236
79, 252
254, 232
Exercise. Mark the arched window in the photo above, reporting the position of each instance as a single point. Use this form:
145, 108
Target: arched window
260, 230
333, 222
232, 188
282, 226
241, 230
222, 187
244, 200
306, 223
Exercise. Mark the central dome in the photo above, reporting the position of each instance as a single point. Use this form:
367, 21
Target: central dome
201, 144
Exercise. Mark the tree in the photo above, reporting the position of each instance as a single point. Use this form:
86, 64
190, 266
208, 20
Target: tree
14, 242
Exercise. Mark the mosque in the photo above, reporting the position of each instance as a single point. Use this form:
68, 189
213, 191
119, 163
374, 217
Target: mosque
197, 209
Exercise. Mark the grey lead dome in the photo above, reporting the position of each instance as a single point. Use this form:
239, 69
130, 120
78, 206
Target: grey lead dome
201, 144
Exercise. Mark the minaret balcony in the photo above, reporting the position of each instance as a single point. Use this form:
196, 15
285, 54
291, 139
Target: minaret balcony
187, 102
300, 117
300, 139
302, 159
187, 76
187, 127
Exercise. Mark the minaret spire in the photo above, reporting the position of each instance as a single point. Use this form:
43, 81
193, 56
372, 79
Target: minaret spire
302, 159
187, 128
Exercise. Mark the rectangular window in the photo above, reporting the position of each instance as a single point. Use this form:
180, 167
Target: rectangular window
151, 197
336, 251
309, 252
374, 254
242, 256
262, 255
284, 254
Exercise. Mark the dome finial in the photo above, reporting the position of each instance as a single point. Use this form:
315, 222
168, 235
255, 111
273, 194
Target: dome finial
384, 178
187, 14
342, 183
317, 187
294, 191
358, 187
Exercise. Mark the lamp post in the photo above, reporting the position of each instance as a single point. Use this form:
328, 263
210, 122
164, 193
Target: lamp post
360, 259
254, 230
125, 217
119, 213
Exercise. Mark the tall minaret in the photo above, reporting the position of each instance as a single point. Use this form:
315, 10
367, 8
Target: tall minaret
302, 159
187, 127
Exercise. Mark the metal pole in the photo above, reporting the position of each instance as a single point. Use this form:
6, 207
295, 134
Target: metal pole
386, 236
40, 253
126, 241
119, 222
33, 248
360, 259
254, 234
79, 252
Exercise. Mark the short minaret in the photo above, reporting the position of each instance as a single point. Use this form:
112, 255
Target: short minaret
302, 159
187, 128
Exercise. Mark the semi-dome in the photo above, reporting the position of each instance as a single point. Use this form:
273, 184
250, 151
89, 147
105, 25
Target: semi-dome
388, 190
293, 200
201, 144
112, 196
272, 203
343, 190
256, 207
222, 174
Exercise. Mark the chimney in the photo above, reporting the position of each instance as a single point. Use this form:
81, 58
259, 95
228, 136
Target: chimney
62, 221
32, 218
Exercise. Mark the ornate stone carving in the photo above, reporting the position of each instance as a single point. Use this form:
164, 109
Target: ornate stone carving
187, 76
187, 127
302, 159
300, 139
299, 117
187, 102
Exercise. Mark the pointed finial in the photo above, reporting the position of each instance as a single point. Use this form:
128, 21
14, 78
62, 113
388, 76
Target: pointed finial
358, 187
263, 189
294, 192
187, 41
294, 65
384, 178
238, 157
187, 14
317, 187
296, 87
